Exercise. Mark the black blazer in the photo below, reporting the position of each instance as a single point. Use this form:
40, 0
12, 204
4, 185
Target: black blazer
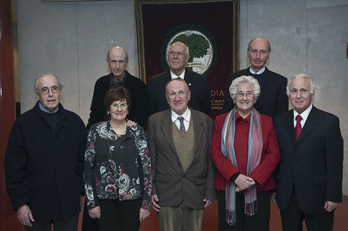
313, 163
139, 109
198, 85
273, 100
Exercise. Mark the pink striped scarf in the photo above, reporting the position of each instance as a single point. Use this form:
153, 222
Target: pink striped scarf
255, 144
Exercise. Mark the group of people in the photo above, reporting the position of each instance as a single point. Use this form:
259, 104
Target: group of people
155, 146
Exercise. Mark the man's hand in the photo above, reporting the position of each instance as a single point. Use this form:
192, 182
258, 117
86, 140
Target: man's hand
25, 216
130, 123
330, 206
95, 212
154, 201
274, 197
207, 202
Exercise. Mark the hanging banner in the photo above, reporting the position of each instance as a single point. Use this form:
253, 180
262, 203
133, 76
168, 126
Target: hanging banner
209, 28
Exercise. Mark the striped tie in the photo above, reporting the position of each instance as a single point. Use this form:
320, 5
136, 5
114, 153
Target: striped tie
182, 127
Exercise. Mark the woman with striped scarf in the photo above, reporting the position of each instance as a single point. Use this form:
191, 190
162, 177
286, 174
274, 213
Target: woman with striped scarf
245, 151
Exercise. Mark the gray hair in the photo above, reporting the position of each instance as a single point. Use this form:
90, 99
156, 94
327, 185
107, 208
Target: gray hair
312, 86
245, 79
36, 81
260, 38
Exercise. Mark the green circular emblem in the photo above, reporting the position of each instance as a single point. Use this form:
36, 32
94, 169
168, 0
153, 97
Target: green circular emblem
202, 47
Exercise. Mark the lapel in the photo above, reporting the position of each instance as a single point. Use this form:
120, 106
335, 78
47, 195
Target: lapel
188, 78
166, 127
127, 82
166, 77
198, 125
289, 125
268, 89
311, 122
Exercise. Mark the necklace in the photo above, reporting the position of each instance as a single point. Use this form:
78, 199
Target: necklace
124, 128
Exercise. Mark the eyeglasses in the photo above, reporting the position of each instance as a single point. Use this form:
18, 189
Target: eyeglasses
173, 53
248, 94
172, 94
122, 106
295, 91
46, 90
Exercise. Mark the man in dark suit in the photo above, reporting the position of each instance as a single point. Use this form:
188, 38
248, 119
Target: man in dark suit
177, 57
117, 59
273, 99
309, 175
182, 170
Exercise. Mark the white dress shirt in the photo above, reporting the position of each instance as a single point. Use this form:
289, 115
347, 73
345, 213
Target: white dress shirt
186, 115
304, 115
174, 76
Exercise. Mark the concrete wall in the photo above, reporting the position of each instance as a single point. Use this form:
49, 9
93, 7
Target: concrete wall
71, 40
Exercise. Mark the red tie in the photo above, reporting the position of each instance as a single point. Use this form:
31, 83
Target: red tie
298, 127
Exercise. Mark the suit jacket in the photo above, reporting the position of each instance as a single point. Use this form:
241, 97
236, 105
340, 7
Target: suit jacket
263, 174
198, 85
171, 184
44, 169
312, 164
139, 109
273, 100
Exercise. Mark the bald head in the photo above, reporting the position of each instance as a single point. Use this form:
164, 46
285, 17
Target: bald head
117, 59
117, 50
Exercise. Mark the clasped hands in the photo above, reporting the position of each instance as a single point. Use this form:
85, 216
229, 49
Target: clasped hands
243, 182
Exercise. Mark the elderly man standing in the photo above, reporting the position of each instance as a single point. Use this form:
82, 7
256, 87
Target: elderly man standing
309, 177
44, 162
177, 57
182, 170
117, 60
273, 99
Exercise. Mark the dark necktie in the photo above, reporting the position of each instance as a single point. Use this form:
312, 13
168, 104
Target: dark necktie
182, 127
298, 127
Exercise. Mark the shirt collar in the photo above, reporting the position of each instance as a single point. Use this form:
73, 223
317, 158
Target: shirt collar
174, 76
186, 115
123, 79
42, 108
257, 73
304, 114
239, 117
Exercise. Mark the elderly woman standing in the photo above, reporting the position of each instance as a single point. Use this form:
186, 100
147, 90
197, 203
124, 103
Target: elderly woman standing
117, 168
245, 151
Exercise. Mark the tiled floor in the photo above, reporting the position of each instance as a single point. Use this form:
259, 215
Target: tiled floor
10, 223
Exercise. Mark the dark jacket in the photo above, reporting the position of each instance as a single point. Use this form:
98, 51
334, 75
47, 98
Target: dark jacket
44, 169
139, 109
198, 85
312, 164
